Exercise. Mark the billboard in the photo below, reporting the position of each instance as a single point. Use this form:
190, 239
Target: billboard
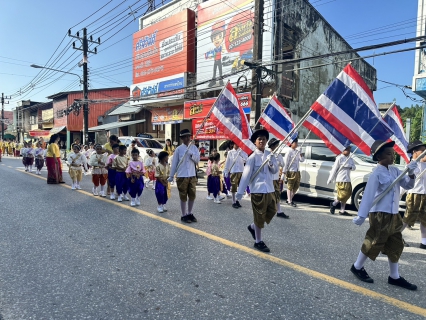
165, 48
167, 87
208, 132
200, 108
167, 115
225, 40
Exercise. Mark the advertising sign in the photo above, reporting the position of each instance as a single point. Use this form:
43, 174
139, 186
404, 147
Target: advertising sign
225, 39
167, 115
165, 48
170, 87
200, 108
208, 132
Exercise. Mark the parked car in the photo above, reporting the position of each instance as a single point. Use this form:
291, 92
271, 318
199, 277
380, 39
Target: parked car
143, 144
316, 168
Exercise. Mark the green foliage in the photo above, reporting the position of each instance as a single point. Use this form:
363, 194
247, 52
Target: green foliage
415, 113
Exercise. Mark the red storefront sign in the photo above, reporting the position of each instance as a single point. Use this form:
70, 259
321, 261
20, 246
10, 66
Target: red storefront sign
200, 108
208, 132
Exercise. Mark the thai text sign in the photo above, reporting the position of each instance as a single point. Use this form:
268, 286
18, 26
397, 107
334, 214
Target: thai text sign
167, 115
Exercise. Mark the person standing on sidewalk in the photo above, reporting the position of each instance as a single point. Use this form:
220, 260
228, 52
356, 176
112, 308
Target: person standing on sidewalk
273, 144
263, 200
384, 234
186, 180
341, 171
239, 157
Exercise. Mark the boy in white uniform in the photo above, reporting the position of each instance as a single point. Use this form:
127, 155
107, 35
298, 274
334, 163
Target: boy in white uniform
291, 170
239, 157
263, 200
186, 180
416, 197
342, 167
384, 234
273, 144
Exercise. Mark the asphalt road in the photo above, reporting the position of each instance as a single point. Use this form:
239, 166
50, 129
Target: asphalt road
69, 255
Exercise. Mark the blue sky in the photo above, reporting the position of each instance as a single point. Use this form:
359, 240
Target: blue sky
31, 31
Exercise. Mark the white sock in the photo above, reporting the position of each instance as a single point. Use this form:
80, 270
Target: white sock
393, 266
342, 207
335, 202
183, 208
288, 196
102, 188
234, 198
31, 168
278, 207
359, 263
423, 232
190, 206
257, 232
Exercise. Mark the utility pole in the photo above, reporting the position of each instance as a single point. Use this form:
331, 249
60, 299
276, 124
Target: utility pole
257, 58
85, 48
2, 113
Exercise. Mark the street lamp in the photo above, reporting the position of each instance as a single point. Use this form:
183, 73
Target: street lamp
85, 109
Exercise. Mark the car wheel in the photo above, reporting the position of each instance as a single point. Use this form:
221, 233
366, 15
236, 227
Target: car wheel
357, 197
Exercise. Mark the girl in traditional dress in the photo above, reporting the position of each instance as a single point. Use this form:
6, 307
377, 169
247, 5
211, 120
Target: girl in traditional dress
135, 173
112, 171
150, 164
30, 152
53, 161
162, 187
23, 153
39, 157
98, 162
76, 161
214, 181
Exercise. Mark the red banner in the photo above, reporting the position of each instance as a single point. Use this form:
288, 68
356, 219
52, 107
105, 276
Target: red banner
208, 132
200, 108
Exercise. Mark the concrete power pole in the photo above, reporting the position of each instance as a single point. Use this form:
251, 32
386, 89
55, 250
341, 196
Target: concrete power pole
2, 113
85, 48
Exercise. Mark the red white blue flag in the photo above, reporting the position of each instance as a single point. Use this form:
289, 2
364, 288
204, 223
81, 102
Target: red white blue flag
348, 105
228, 116
276, 120
333, 139
393, 119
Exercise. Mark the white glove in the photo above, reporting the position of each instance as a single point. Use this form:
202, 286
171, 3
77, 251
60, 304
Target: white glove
239, 196
412, 166
170, 179
358, 220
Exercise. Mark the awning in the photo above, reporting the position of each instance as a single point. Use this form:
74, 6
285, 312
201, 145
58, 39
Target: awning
40, 133
114, 125
57, 129
126, 108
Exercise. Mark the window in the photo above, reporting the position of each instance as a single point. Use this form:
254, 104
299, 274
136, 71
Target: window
147, 143
322, 153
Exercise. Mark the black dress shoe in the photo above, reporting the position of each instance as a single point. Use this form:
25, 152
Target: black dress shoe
253, 234
192, 218
422, 246
332, 208
186, 219
261, 246
238, 204
282, 215
344, 213
293, 204
401, 282
361, 274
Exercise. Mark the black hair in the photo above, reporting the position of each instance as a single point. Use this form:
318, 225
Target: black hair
135, 150
115, 145
53, 138
217, 157
122, 147
211, 157
75, 145
162, 155
113, 137
226, 153
134, 141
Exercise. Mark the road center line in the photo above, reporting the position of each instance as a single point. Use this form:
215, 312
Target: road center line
312, 273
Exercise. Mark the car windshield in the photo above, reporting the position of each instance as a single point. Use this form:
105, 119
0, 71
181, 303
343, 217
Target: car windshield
361, 155
147, 143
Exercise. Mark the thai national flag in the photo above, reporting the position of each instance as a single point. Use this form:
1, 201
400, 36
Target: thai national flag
333, 139
228, 116
348, 105
276, 120
394, 121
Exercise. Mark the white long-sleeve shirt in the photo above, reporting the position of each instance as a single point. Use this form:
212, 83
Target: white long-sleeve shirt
280, 163
187, 168
420, 184
263, 182
343, 173
289, 156
77, 160
380, 179
233, 154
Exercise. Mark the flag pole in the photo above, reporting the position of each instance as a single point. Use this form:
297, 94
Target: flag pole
199, 129
278, 149
380, 196
353, 152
